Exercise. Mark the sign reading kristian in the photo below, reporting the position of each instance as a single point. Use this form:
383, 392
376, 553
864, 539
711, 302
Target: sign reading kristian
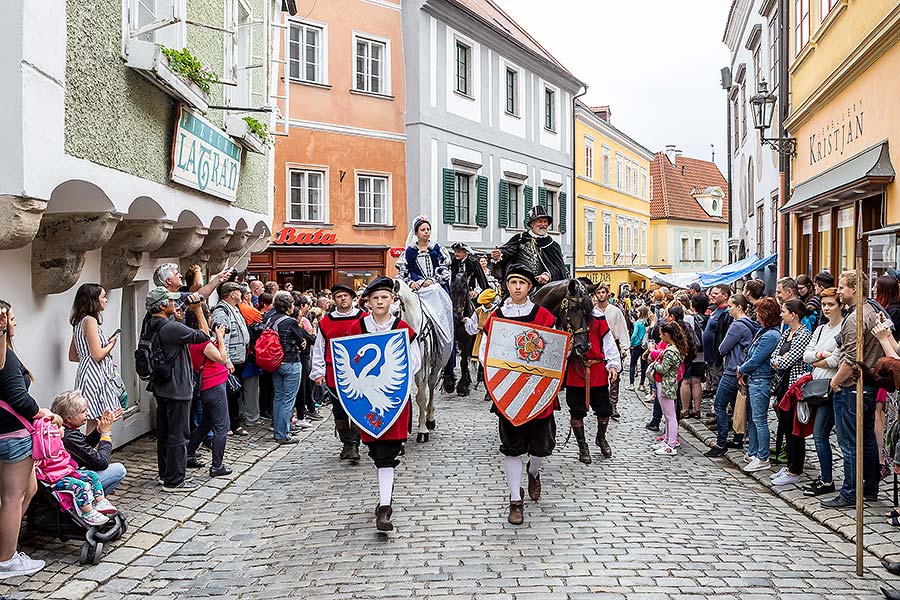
838, 134
204, 157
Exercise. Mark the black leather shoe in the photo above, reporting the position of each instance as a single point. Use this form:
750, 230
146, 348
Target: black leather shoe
220, 472
194, 463
839, 501
891, 594
715, 452
892, 567
652, 426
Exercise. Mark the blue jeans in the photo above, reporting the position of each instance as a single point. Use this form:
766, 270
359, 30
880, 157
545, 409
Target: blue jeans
845, 425
822, 429
111, 476
286, 381
726, 394
758, 417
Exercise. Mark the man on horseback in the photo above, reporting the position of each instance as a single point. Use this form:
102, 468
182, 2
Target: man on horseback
534, 248
467, 281
464, 263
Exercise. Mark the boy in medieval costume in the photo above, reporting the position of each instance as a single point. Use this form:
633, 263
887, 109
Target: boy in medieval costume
537, 437
604, 363
385, 449
333, 325
474, 325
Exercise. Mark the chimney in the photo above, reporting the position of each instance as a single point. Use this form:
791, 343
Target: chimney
672, 153
604, 112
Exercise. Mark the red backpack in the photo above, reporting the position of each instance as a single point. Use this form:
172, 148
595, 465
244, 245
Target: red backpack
269, 353
52, 461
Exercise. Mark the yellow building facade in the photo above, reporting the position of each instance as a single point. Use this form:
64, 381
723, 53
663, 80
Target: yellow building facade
612, 202
844, 67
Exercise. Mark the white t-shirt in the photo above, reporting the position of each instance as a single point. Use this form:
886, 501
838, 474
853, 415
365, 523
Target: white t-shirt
824, 339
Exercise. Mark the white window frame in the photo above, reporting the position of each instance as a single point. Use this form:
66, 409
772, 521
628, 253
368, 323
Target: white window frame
590, 246
826, 6
515, 97
322, 71
643, 183
698, 256
620, 239
619, 172
607, 238
238, 53
472, 198
553, 208
469, 92
604, 152
385, 78
515, 199
388, 197
643, 242
801, 25
554, 94
628, 176
292, 168
171, 35
774, 59
685, 248
716, 249
588, 157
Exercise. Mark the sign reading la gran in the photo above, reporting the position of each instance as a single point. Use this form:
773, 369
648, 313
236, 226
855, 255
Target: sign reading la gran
204, 157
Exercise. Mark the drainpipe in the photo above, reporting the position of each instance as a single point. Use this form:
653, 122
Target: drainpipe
784, 162
574, 183
726, 85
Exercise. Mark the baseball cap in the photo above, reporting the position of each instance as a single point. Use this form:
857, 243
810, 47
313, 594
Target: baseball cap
158, 294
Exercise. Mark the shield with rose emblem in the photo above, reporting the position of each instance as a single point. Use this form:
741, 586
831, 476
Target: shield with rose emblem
523, 367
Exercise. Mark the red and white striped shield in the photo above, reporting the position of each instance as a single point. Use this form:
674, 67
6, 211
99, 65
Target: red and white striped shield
523, 367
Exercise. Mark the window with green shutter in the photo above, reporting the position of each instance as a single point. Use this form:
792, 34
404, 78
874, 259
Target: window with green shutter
503, 205
463, 199
512, 205
529, 201
449, 176
542, 197
563, 212
481, 208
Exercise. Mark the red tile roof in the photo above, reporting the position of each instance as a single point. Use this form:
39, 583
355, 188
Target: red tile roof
674, 187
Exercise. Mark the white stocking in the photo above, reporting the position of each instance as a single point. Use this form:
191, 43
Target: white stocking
385, 485
514, 477
534, 465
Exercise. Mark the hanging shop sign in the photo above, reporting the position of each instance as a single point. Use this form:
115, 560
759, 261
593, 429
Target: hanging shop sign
204, 157
290, 235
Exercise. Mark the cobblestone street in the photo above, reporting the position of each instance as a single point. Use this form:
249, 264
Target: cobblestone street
300, 524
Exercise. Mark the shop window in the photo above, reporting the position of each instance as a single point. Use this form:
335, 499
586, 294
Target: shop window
823, 223
372, 200
806, 246
372, 71
307, 196
306, 60
463, 195
463, 68
157, 21
846, 239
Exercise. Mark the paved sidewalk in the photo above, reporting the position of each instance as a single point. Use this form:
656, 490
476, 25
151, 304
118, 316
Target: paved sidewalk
156, 520
879, 538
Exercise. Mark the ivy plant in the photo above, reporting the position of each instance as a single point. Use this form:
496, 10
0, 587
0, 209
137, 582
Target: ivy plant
258, 129
189, 66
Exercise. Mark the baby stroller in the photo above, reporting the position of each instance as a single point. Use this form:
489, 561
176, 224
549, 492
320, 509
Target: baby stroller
54, 513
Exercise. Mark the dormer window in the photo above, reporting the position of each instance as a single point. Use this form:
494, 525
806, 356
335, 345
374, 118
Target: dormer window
710, 200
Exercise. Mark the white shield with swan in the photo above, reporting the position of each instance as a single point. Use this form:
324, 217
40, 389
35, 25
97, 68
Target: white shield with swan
373, 376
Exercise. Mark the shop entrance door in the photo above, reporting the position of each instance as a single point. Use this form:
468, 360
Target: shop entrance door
305, 280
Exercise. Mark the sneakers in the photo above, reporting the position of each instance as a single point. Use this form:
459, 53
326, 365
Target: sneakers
20, 566
818, 487
785, 478
300, 424
290, 439
186, 486
757, 465
106, 507
781, 471
715, 452
658, 444
747, 458
666, 451
839, 501
314, 416
95, 518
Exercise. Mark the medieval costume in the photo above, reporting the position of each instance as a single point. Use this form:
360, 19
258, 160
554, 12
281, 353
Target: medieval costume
385, 450
540, 253
537, 437
475, 326
469, 267
334, 325
602, 356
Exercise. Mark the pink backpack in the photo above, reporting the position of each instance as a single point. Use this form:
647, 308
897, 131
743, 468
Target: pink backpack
52, 461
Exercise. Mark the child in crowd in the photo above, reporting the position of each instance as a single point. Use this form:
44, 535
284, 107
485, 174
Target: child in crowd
667, 365
475, 326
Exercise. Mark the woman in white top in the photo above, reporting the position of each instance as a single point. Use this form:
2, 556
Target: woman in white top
821, 355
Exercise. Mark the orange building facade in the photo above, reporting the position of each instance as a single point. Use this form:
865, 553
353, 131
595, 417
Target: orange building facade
340, 172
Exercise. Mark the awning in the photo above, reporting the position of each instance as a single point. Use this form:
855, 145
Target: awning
869, 166
734, 271
647, 273
677, 280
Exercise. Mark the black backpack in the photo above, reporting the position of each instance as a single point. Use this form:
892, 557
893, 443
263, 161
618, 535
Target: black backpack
150, 362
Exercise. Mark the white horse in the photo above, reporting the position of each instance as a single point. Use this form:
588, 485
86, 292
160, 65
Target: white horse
426, 379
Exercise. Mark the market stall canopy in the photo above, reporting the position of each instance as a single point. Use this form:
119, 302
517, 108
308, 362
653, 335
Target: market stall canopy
843, 181
734, 271
647, 273
677, 280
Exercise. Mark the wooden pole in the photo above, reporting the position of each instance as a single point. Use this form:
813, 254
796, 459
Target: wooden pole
859, 415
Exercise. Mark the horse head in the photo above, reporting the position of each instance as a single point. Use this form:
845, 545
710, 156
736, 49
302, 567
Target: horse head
460, 296
571, 304
407, 305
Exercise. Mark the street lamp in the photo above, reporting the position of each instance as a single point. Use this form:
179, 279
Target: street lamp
763, 109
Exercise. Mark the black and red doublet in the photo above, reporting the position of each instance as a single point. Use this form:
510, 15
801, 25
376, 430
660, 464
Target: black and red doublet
575, 380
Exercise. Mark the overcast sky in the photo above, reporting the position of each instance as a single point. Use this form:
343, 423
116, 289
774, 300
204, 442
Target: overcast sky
656, 63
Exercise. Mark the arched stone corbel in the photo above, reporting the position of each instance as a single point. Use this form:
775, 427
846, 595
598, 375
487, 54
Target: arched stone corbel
182, 241
123, 255
209, 254
20, 219
57, 253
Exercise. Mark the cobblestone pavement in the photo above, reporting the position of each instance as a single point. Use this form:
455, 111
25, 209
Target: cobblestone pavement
301, 525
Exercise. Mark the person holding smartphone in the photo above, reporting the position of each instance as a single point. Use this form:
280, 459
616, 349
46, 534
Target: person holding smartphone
97, 376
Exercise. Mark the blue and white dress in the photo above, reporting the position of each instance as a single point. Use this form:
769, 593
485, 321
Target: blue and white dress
418, 265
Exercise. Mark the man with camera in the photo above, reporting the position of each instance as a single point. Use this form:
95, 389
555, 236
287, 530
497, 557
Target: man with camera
237, 337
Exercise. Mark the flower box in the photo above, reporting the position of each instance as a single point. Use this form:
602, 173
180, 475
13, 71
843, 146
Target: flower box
148, 59
237, 127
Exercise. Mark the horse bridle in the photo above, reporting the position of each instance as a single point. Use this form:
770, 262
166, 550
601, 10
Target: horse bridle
564, 314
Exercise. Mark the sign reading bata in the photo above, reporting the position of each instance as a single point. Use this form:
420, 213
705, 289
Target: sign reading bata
204, 157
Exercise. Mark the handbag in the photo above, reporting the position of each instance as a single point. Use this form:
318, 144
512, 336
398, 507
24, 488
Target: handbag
817, 392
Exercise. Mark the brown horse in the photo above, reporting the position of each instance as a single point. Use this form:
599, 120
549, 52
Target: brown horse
570, 302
